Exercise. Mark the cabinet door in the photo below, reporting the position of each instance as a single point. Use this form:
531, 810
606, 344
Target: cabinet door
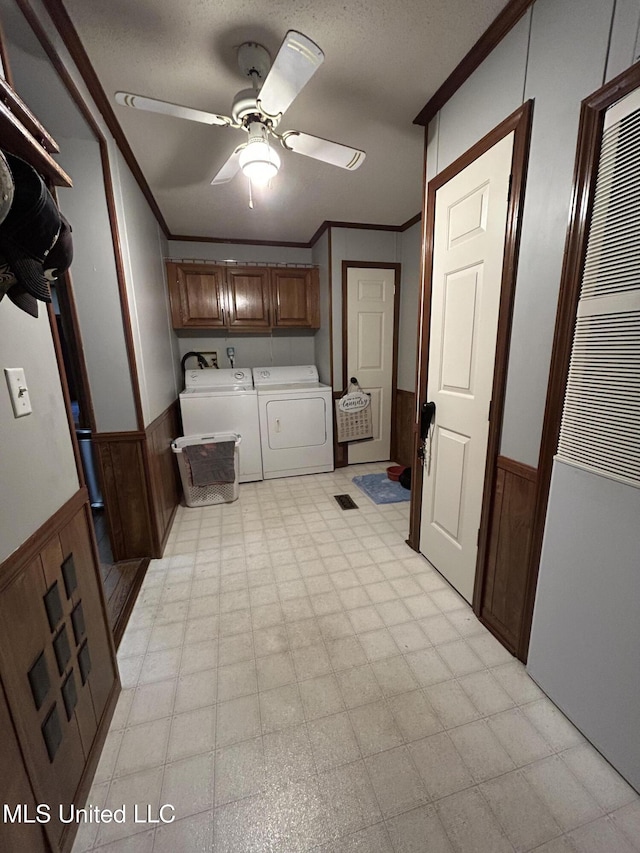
197, 295
296, 297
248, 295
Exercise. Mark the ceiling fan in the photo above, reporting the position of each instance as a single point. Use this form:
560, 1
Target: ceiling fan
259, 110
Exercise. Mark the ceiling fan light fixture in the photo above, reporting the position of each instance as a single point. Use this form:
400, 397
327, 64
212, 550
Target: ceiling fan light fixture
259, 162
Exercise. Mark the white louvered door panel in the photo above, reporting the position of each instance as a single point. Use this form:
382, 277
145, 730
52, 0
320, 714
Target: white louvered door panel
601, 417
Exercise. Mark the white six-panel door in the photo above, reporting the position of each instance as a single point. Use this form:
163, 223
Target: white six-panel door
469, 238
370, 314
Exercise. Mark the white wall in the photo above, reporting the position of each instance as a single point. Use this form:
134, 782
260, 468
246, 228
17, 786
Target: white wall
95, 286
93, 270
156, 345
279, 348
625, 37
556, 54
37, 468
586, 632
492, 93
559, 30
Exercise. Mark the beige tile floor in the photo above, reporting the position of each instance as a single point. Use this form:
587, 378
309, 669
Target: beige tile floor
296, 679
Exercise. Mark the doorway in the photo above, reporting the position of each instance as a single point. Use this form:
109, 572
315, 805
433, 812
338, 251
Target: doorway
449, 507
120, 580
371, 294
468, 248
97, 266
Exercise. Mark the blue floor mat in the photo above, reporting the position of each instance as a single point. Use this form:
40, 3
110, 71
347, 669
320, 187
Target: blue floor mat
381, 489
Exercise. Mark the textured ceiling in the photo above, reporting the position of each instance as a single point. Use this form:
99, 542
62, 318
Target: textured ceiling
383, 61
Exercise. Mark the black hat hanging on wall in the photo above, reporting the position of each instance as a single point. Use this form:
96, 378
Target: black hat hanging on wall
35, 240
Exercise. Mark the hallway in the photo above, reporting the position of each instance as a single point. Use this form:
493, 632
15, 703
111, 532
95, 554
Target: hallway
295, 678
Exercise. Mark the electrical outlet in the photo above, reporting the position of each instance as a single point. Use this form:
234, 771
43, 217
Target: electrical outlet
212, 358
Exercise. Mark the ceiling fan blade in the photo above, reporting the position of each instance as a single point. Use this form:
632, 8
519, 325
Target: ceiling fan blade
297, 61
323, 149
230, 168
154, 106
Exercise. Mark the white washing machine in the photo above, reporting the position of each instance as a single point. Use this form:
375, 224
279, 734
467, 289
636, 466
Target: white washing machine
296, 421
224, 401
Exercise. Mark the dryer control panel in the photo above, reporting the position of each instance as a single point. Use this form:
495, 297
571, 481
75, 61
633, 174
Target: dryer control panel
210, 378
285, 375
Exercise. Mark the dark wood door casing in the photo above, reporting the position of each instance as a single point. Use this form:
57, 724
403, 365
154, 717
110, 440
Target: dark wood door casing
397, 268
519, 123
584, 180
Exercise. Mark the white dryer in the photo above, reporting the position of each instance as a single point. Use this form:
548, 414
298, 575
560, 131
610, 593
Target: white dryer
224, 401
296, 421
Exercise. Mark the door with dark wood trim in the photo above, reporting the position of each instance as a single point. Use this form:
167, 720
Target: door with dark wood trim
520, 124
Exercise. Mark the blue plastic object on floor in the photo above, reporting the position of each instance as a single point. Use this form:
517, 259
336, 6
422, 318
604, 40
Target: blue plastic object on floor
381, 489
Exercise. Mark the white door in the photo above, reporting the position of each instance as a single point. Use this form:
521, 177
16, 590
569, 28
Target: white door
468, 248
370, 315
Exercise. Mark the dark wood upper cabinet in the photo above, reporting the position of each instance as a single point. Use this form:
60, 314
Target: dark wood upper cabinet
248, 295
295, 297
247, 299
197, 295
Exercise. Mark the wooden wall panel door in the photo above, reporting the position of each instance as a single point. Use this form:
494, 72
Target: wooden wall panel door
27, 637
296, 297
163, 473
505, 576
197, 295
57, 666
248, 295
75, 542
53, 557
402, 428
124, 482
16, 790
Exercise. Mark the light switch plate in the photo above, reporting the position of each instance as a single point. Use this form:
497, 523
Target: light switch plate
18, 391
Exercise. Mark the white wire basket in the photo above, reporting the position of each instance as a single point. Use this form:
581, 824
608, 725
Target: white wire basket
354, 419
215, 493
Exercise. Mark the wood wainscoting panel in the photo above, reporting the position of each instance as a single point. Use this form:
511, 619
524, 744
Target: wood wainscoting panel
58, 669
164, 482
340, 450
505, 576
402, 428
16, 791
121, 457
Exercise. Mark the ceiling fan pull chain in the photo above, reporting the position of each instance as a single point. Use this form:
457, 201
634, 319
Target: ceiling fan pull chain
250, 195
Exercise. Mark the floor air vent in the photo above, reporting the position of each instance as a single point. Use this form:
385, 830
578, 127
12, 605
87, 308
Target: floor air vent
346, 502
